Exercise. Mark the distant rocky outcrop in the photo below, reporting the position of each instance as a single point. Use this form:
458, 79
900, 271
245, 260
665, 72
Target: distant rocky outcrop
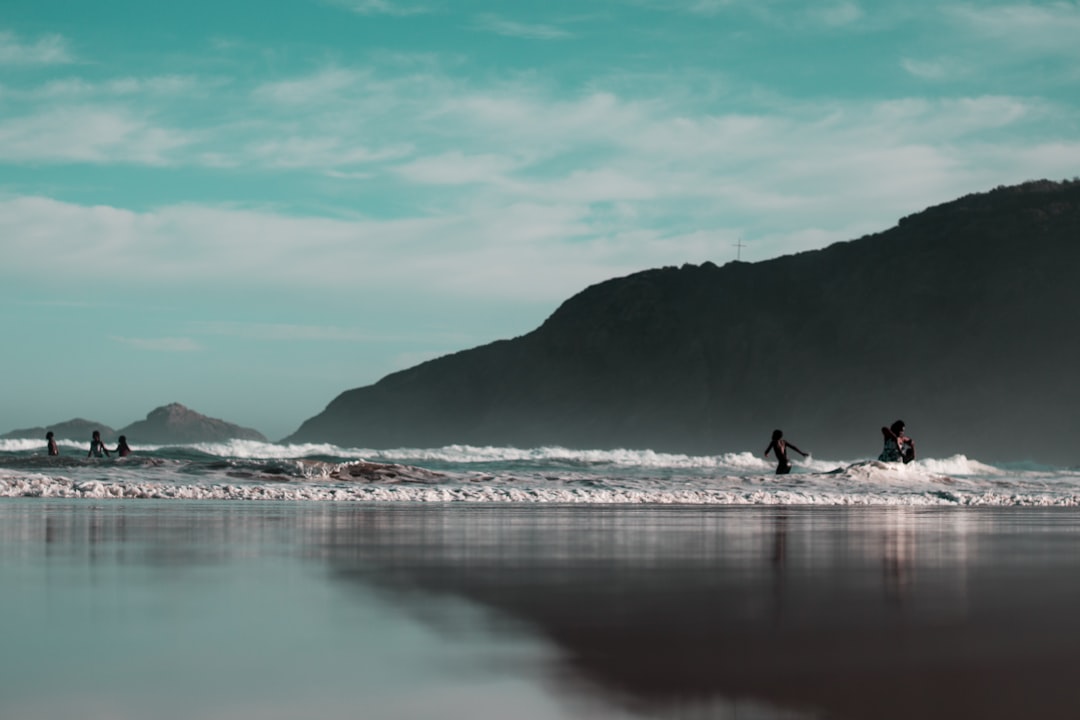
76, 429
176, 424
961, 320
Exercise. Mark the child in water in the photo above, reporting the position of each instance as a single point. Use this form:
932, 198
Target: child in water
780, 446
97, 448
122, 448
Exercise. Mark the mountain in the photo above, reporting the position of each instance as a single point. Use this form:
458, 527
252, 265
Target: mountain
176, 424
959, 320
76, 429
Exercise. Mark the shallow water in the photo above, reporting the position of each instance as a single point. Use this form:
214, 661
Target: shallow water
175, 609
245, 470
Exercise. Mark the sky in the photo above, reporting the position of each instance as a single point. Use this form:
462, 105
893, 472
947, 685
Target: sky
250, 206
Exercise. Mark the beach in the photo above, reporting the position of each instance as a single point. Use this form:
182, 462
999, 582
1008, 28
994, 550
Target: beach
210, 609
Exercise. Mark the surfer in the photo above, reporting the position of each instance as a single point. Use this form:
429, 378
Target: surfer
898, 446
780, 446
53, 449
122, 448
97, 447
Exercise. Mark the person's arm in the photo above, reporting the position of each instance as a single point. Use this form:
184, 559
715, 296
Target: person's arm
771, 444
792, 446
888, 433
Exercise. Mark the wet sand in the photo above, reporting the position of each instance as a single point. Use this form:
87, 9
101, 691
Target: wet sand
556, 611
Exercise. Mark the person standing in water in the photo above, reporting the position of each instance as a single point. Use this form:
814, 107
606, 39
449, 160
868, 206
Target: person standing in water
97, 447
780, 446
53, 448
898, 446
122, 448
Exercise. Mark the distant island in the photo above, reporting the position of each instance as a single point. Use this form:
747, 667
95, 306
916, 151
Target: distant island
960, 320
175, 423
171, 424
75, 429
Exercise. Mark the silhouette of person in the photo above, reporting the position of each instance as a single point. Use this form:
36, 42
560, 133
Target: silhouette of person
780, 446
97, 447
898, 446
53, 448
122, 448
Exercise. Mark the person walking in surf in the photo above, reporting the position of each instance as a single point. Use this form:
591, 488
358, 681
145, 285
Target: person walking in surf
780, 446
898, 446
53, 448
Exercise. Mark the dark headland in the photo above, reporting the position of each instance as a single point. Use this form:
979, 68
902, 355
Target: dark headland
961, 320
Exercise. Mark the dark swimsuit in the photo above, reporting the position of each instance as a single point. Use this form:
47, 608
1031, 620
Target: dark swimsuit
783, 466
891, 451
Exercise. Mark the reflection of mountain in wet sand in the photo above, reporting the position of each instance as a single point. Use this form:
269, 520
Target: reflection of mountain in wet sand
886, 613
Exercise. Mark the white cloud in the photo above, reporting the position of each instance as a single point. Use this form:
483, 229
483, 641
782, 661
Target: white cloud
47, 50
928, 69
1051, 28
78, 89
456, 168
89, 134
468, 254
528, 31
709, 7
534, 184
327, 84
165, 344
381, 7
603, 185
839, 14
318, 152
547, 124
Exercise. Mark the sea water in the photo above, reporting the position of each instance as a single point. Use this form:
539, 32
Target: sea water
546, 583
244, 470
123, 609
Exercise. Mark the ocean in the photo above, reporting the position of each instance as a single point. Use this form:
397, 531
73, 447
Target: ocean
244, 470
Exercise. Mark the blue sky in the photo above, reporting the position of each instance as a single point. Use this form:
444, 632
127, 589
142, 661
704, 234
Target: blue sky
249, 207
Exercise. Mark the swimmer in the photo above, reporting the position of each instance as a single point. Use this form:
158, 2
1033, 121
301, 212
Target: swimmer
97, 448
780, 446
122, 448
898, 446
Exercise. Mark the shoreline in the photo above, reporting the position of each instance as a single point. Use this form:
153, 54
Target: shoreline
482, 493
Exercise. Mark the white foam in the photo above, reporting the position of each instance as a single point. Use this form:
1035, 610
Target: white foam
471, 454
38, 486
956, 465
255, 450
243, 469
22, 445
863, 483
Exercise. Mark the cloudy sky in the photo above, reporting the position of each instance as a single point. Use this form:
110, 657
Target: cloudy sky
249, 206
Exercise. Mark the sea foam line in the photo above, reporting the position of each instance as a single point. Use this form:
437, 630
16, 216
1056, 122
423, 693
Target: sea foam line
41, 486
726, 463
